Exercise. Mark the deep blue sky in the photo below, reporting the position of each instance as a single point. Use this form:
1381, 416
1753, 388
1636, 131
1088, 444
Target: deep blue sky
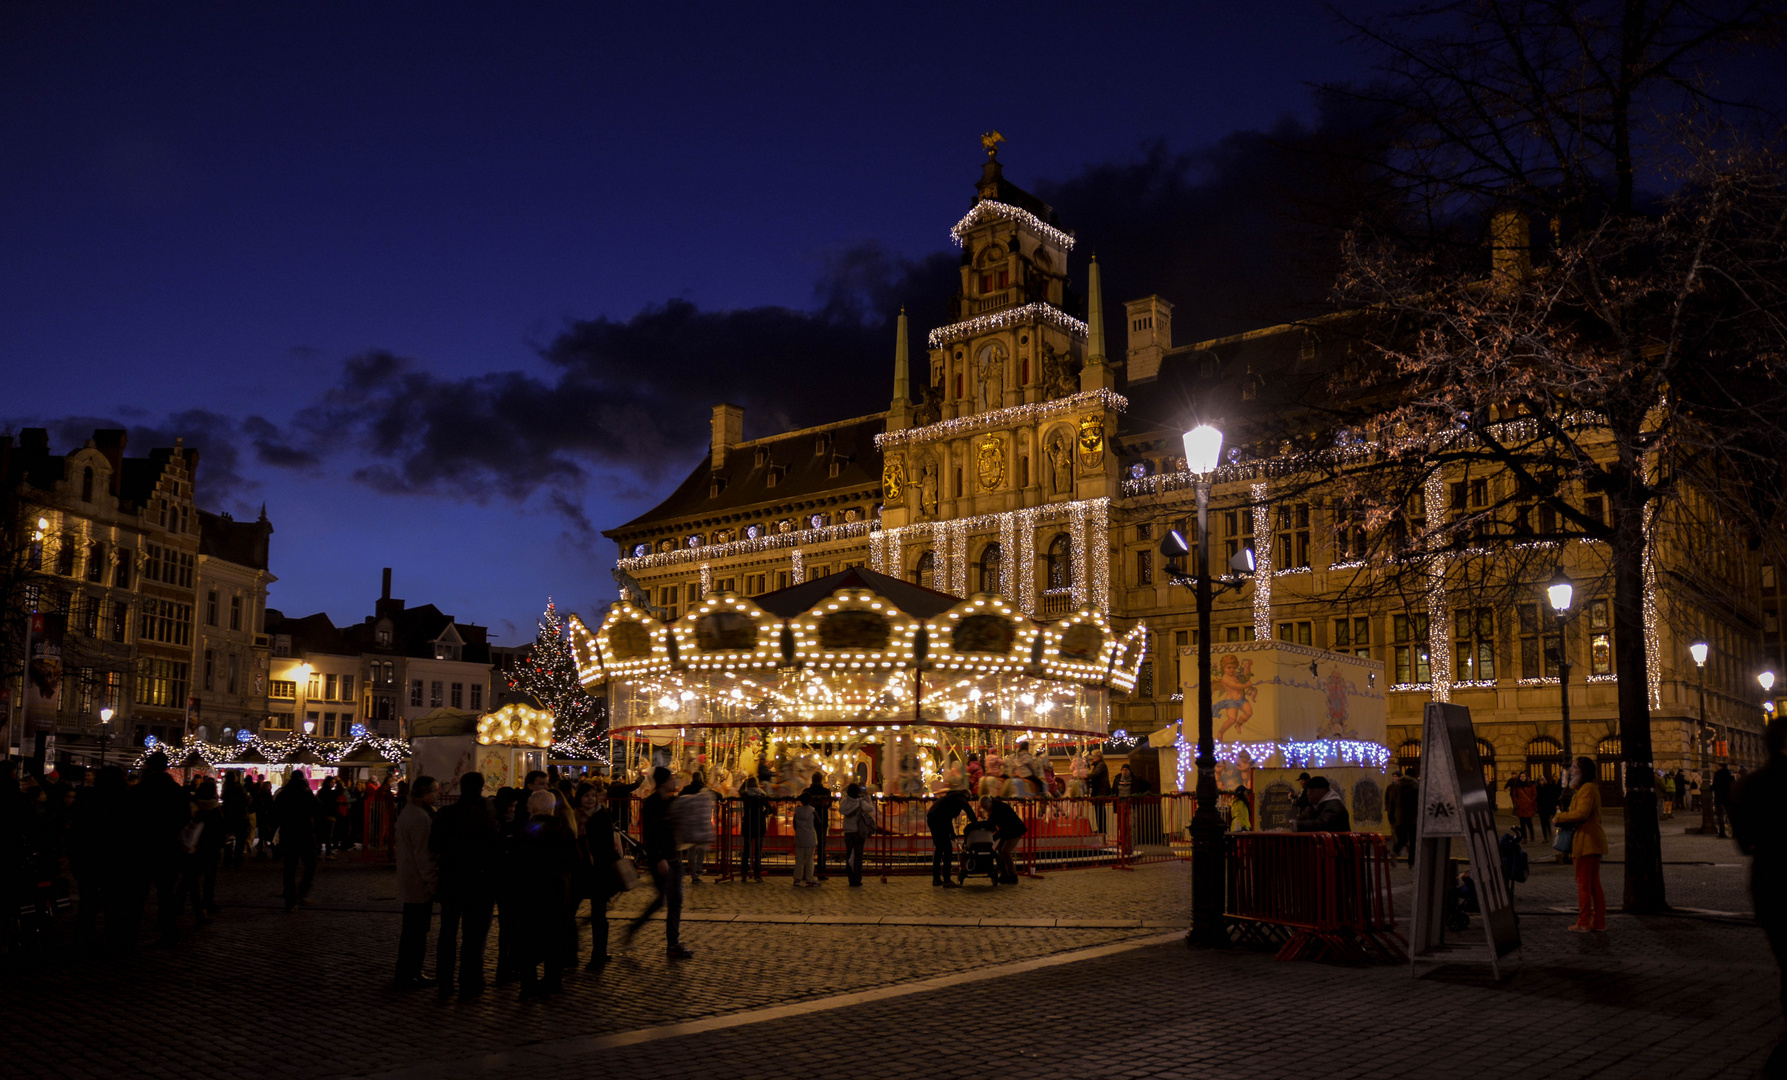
205, 210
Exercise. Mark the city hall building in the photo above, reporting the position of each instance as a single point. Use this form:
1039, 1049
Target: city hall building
1021, 455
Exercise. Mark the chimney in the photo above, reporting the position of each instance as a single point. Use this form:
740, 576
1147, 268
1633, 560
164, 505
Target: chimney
110, 442
1510, 246
729, 431
385, 594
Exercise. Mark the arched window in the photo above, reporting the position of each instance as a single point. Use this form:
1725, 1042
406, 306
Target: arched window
1545, 759
990, 558
87, 484
924, 571
96, 561
1061, 562
1408, 756
1486, 758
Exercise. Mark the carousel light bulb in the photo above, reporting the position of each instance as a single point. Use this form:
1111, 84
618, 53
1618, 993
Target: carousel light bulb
688, 695
666, 702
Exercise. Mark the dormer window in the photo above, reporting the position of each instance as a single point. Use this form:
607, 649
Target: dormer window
837, 466
762, 457
776, 473
821, 445
445, 651
383, 636
715, 485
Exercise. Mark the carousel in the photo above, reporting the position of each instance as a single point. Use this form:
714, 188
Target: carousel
860, 676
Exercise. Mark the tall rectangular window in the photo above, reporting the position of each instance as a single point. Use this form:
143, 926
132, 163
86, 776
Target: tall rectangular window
1473, 649
347, 688
120, 620
1352, 634
1144, 568
1409, 637
1292, 550
416, 693
1181, 639
1144, 685
477, 697
1297, 633
235, 673
210, 665
235, 613
1349, 533
1538, 642
211, 607
1240, 530
329, 684
1600, 637
434, 694
458, 698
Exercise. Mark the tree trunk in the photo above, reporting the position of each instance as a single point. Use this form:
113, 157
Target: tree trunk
1643, 892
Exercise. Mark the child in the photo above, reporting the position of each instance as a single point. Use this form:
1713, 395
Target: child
806, 843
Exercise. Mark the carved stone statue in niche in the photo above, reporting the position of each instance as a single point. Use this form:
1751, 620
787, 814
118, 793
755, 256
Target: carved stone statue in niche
930, 406
1060, 376
1060, 451
989, 377
927, 488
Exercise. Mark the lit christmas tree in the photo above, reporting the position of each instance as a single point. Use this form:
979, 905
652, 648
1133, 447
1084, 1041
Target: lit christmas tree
550, 674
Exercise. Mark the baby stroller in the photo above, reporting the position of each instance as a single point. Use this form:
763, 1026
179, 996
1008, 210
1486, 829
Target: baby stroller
978, 853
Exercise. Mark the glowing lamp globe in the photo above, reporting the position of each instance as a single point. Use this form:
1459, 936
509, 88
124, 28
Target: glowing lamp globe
1698, 652
1203, 449
1767, 679
1559, 592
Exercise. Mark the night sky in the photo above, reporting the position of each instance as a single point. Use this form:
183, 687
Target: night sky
449, 287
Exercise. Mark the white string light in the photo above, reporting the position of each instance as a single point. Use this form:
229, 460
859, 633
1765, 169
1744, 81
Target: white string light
1439, 639
1008, 557
1011, 416
987, 209
1653, 648
1100, 544
1076, 534
795, 538
799, 572
999, 320
1311, 754
707, 579
1262, 563
1026, 559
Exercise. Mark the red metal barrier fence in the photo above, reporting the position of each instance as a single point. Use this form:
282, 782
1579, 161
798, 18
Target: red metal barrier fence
1060, 834
378, 827
1313, 894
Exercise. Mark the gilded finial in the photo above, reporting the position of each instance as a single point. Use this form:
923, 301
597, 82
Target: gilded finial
991, 141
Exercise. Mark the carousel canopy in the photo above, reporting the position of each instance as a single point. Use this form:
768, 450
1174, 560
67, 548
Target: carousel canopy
857, 648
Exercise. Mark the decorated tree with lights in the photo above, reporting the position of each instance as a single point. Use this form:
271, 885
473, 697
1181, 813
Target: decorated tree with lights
550, 674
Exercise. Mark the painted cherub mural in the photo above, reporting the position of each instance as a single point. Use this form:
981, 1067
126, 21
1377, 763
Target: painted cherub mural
1235, 693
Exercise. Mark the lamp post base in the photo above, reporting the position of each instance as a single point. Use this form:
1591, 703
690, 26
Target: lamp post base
1209, 926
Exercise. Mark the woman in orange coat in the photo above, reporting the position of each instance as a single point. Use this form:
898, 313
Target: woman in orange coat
1586, 850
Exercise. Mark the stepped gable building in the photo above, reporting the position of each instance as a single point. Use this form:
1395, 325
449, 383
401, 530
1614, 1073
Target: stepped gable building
113, 571
1032, 460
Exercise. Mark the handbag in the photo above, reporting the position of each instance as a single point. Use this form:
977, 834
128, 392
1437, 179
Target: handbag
1565, 839
625, 874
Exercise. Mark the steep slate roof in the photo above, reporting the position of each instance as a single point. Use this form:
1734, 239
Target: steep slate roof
241, 542
747, 483
911, 599
311, 633
415, 630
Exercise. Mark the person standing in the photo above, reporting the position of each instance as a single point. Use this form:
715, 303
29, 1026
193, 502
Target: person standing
295, 814
99, 855
1722, 783
545, 858
159, 810
1681, 790
601, 851
695, 823
328, 812
941, 819
200, 880
1759, 821
235, 819
417, 881
1326, 811
805, 840
1587, 847
819, 798
1550, 794
666, 863
859, 825
467, 846
266, 819
754, 810
1524, 795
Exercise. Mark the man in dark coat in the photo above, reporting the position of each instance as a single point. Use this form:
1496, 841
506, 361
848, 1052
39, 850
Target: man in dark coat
1722, 782
297, 811
941, 818
159, 809
818, 796
469, 846
1550, 794
666, 863
1326, 811
1011, 829
1759, 819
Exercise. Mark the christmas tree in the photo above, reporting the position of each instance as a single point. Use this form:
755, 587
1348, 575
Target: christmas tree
549, 673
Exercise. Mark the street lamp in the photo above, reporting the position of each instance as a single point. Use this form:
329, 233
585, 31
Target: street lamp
1698, 652
1560, 592
105, 733
1203, 451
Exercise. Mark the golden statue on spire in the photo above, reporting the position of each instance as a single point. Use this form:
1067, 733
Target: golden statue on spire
991, 141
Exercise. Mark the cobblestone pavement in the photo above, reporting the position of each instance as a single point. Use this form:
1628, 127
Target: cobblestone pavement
260, 993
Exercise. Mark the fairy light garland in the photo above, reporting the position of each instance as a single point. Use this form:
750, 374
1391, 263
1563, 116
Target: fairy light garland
707, 579
993, 210
1653, 648
1439, 638
1262, 563
957, 540
796, 538
1014, 415
1076, 535
1008, 554
1099, 521
1307, 754
877, 551
998, 320
1025, 524
798, 572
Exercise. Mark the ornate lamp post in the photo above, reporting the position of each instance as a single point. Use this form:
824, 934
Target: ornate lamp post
1767, 679
1698, 652
1203, 450
105, 733
1559, 592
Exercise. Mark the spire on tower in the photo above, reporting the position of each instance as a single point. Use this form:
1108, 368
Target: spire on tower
1094, 315
902, 392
